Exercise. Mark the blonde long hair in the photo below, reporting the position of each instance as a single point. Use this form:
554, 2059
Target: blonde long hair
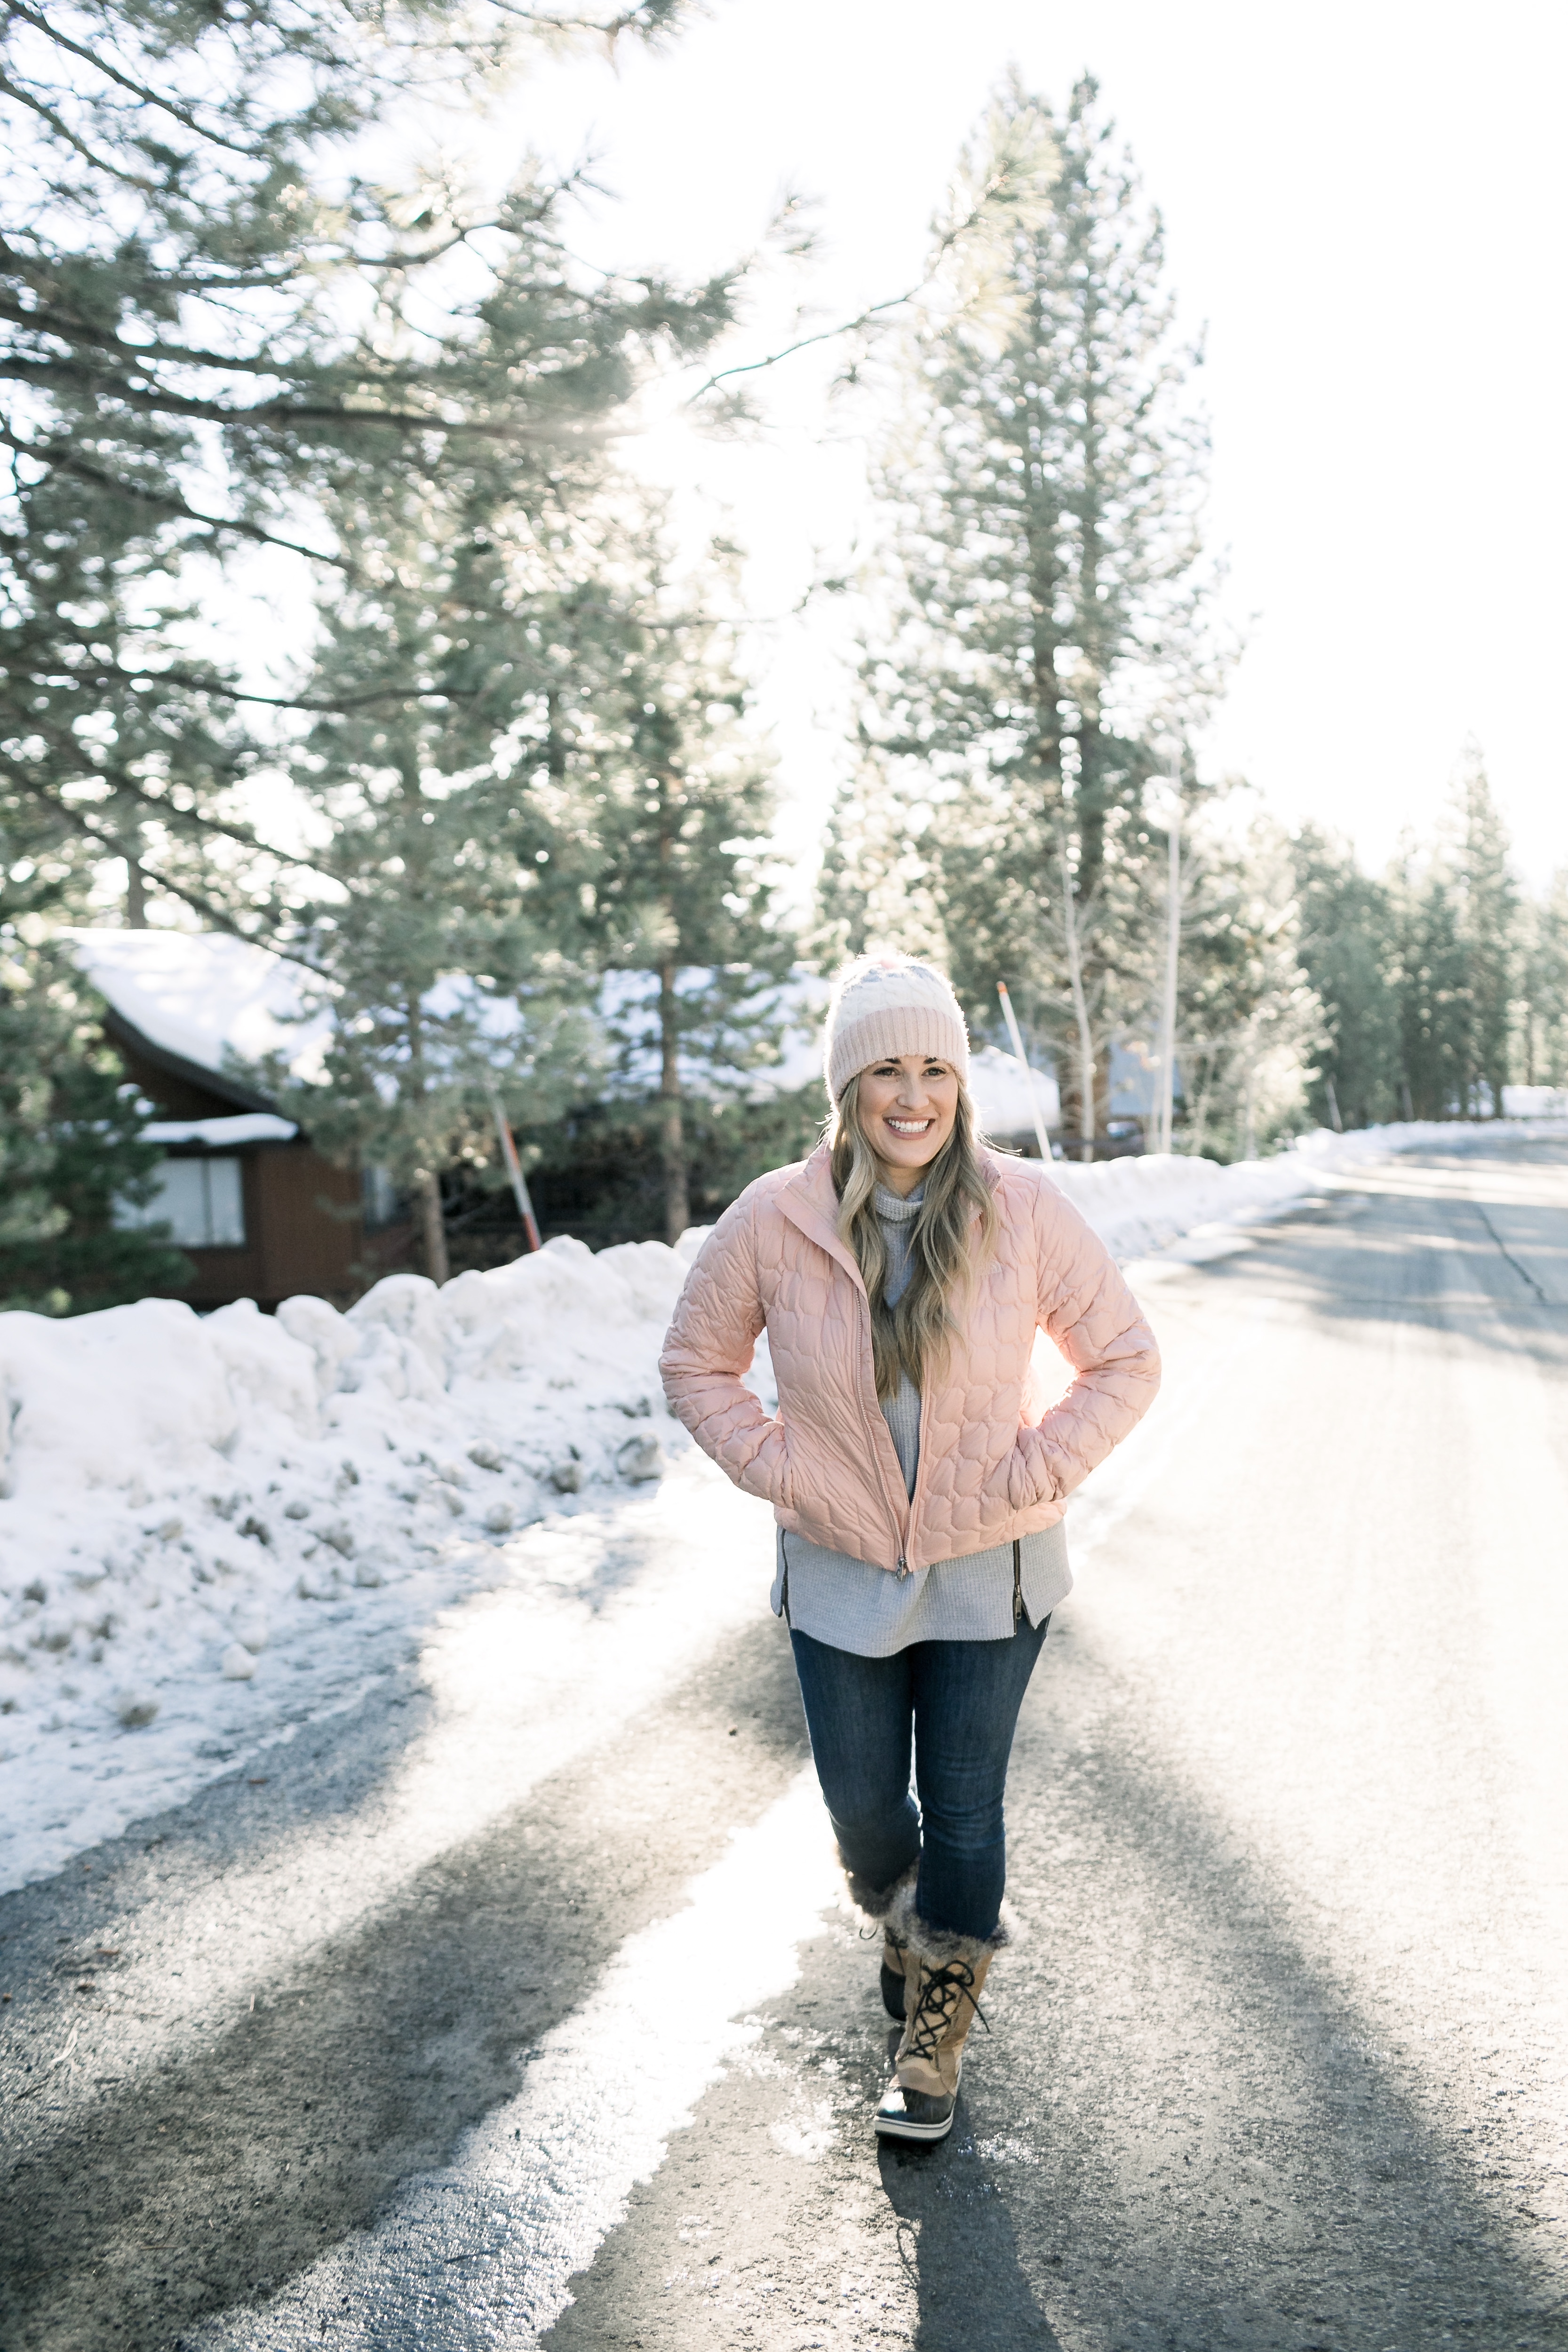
946, 1250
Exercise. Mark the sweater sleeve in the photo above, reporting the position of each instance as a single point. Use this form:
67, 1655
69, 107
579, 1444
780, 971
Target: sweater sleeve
710, 1342
1094, 1319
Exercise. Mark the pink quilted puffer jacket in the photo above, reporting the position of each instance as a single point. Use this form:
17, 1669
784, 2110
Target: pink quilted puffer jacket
993, 1464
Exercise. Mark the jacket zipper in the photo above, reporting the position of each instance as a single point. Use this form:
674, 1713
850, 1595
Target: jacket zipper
871, 1429
919, 1474
881, 1479
1017, 1582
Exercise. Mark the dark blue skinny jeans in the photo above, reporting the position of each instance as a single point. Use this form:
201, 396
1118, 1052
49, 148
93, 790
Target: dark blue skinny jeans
959, 1701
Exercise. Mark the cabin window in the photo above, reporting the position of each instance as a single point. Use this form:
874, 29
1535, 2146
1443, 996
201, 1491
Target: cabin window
382, 1200
202, 1202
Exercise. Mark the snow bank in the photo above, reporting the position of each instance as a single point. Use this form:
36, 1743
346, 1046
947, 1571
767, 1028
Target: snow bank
212, 1529
1137, 1206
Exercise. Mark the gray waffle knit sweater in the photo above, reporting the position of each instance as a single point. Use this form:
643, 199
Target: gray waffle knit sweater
852, 1605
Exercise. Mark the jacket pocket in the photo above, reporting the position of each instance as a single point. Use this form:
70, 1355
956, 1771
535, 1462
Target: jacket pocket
770, 1474
1029, 1478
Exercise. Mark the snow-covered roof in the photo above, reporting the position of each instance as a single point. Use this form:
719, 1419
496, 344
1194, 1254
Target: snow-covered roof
250, 1127
1001, 1094
203, 994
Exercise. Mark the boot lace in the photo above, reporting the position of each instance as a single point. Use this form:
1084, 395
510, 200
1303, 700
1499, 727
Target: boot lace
940, 1995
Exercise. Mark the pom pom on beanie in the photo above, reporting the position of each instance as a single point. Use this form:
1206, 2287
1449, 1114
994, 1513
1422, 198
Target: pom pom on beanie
884, 1006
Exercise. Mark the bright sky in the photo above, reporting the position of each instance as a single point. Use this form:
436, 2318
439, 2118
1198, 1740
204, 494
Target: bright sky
1363, 203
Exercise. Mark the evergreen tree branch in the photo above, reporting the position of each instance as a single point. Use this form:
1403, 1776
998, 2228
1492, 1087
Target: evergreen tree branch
19, 13
60, 461
997, 185
62, 131
120, 782
648, 18
42, 373
198, 682
212, 910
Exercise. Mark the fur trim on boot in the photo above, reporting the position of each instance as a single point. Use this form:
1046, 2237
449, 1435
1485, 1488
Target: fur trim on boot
938, 1946
877, 1906
877, 1903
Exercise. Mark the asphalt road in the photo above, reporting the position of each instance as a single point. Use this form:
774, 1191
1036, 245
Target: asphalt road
1278, 2062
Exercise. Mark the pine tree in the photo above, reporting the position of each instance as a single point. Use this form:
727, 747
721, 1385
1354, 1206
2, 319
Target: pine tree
666, 805
1249, 1022
72, 1151
1042, 596
445, 979
1545, 988
1488, 918
215, 323
1434, 1012
1459, 946
1347, 945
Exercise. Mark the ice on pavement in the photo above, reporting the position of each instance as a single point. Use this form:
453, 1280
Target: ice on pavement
214, 1528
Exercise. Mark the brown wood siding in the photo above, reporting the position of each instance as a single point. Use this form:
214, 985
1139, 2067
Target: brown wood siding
293, 1241
307, 1242
176, 1098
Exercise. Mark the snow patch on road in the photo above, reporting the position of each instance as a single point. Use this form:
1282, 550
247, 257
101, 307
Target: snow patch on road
481, 2254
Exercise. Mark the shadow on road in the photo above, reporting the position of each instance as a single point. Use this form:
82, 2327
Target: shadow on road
958, 2242
230, 2168
1214, 2143
1433, 1239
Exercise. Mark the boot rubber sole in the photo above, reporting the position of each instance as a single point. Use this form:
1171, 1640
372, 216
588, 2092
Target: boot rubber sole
900, 2127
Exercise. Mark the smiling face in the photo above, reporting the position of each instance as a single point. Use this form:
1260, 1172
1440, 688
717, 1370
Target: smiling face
907, 1111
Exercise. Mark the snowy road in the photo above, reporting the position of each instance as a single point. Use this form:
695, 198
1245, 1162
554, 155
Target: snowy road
516, 2010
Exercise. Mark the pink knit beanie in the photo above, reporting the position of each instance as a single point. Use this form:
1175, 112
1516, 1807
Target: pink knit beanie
888, 1005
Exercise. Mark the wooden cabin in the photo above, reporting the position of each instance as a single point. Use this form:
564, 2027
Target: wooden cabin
259, 1211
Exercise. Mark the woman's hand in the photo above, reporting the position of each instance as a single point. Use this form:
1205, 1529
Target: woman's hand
1026, 1475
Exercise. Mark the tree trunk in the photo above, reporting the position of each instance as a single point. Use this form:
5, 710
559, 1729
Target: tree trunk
672, 1134
432, 1225
1086, 1101
135, 885
1173, 964
1201, 1111
1248, 1113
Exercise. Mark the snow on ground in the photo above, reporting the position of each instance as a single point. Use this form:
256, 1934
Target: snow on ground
214, 1530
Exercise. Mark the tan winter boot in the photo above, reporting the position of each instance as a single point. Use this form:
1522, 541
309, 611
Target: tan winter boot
941, 2001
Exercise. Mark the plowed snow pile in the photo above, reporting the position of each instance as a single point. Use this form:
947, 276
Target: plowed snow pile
212, 1529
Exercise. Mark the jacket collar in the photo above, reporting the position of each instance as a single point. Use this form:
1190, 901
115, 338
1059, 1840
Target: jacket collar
810, 1203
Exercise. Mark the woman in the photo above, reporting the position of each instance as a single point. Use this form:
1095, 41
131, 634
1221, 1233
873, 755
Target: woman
902, 1273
